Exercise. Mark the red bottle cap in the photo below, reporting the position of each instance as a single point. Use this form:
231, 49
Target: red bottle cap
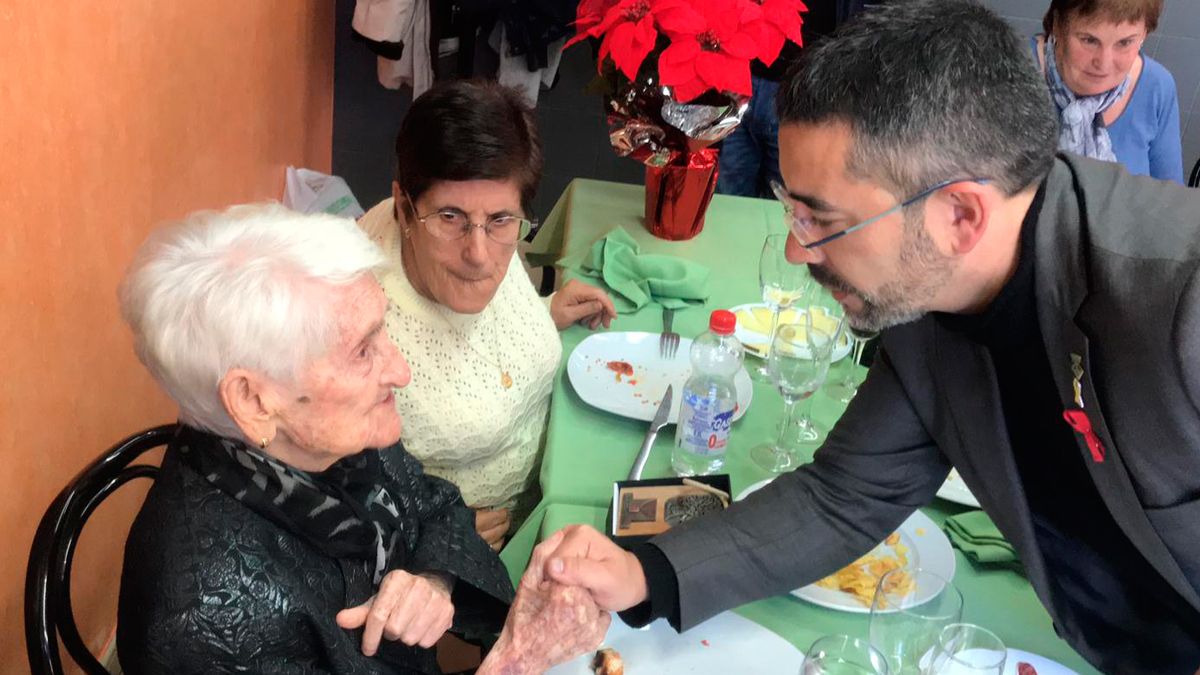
722, 322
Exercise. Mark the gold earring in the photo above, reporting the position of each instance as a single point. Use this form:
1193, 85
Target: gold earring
262, 444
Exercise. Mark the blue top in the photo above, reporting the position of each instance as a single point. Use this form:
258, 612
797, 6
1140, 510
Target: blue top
1146, 137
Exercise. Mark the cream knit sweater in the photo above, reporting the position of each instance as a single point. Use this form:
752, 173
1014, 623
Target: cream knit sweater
458, 419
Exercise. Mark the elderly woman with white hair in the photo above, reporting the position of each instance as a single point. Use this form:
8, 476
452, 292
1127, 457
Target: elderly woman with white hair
276, 537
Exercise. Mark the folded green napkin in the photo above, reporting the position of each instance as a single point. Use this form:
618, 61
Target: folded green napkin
979, 539
637, 279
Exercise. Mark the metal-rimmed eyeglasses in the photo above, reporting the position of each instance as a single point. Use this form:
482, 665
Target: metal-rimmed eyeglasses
807, 229
449, 224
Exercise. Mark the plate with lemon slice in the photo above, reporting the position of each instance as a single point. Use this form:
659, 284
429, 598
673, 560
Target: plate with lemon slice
754, 327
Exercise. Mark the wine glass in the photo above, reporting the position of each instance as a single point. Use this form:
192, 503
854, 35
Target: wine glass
782, 283
818, 310
843, 655
799, 361
844, 388
966, 649
910, 609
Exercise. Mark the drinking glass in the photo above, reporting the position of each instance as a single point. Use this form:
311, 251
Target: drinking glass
799, 361
910, 609
843, 655
826, 316
846, 386
782, 283
967, 649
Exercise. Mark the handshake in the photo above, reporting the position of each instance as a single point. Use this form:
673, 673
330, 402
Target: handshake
574, 579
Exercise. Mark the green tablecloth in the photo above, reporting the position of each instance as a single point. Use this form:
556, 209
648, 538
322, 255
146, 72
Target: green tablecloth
588, 449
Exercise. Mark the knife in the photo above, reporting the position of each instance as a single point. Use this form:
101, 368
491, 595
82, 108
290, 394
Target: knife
660, 421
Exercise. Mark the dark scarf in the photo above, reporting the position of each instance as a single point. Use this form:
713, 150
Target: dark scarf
345, 511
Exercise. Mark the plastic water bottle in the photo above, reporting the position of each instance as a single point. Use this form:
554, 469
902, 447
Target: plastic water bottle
709, 399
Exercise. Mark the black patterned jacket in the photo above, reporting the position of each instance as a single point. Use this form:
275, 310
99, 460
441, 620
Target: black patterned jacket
211, 586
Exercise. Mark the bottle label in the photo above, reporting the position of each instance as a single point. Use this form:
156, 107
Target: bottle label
704, 430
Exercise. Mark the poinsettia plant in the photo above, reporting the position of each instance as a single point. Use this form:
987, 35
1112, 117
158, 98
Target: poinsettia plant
701, 45
676, 76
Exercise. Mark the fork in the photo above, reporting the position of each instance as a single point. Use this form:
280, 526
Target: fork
668, 342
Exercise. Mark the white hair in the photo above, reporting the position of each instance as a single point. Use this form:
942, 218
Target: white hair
240, 288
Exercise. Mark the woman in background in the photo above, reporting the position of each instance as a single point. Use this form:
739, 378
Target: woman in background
1114, 102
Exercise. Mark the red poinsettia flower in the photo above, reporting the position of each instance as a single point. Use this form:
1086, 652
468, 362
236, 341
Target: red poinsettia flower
781, 22
630, 27
588, 15
718, 55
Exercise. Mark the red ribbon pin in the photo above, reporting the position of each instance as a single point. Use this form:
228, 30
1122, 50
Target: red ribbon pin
1079, 421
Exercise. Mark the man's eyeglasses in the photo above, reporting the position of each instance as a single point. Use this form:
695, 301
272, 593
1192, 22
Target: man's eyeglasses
450, 224
811, 233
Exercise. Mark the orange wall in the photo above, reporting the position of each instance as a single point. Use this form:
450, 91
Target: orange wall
115, 116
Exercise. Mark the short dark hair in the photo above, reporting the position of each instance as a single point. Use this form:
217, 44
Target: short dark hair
468, 130
932, 90
1117, 11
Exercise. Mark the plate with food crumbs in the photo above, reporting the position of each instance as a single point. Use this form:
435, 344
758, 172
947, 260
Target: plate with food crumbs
1024, 663
918, 542
955, 490
726, 643
624, 374
754, 328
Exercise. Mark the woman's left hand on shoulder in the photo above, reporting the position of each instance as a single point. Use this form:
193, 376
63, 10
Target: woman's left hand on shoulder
577, 302
412, 608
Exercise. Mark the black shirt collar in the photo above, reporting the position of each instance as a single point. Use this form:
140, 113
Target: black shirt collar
1011, 318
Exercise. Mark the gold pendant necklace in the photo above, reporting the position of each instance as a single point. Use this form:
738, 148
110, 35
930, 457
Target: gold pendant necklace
506, 380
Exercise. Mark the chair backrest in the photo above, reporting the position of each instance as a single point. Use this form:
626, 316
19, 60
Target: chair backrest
1194, 180
48, 613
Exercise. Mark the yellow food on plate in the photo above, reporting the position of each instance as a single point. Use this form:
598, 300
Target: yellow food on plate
758, 319
860, 577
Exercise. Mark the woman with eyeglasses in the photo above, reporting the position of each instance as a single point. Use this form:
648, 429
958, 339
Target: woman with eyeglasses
1114, 102
483, 346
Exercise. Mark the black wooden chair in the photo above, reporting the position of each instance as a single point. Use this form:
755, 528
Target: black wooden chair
48, 613
1194, 180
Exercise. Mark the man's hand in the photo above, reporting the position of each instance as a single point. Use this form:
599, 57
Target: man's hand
586, 558
492, 525
414, 609
548, 623
577, 302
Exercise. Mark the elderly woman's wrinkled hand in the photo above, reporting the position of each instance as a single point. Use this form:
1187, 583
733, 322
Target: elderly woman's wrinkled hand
581, 556
577, 302
414, 609
549, 623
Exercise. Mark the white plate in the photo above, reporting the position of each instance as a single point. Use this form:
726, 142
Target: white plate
955, 490
928, 548
1043, 665
587, 369
756, 340
1012, 658
726, 643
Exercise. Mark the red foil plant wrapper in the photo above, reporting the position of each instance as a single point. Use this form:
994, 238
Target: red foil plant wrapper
676, 76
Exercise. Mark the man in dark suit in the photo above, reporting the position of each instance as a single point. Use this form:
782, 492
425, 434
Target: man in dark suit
1042, 335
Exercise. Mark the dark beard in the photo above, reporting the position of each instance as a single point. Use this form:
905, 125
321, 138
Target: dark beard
924, 271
